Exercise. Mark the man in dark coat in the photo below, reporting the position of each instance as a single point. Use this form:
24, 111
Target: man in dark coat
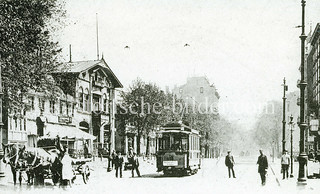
118, 161
132, 158
229, 161
263, 167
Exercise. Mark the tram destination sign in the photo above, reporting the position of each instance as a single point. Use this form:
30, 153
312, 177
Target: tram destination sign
170, 163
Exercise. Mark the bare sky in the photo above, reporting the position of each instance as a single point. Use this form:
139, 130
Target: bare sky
244, 47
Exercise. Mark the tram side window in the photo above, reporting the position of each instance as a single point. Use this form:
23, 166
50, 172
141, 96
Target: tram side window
184, 143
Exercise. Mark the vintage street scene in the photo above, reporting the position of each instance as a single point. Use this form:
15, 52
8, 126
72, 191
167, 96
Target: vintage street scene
159, 96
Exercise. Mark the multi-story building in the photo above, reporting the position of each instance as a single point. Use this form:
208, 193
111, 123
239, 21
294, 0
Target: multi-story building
199, 93
313, 80
83, 110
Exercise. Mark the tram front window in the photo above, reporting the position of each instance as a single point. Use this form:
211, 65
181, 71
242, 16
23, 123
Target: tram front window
174, 142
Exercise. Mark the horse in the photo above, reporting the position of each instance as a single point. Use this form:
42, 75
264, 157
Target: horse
42, 163
11, 157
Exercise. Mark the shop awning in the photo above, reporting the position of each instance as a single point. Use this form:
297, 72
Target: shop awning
66, 132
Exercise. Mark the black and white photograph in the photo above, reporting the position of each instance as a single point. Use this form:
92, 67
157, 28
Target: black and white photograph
160, 96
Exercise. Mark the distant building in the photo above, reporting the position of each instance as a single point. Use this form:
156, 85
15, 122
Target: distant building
198, 91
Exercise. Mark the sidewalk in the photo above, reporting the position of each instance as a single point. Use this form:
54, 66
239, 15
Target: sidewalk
313, 185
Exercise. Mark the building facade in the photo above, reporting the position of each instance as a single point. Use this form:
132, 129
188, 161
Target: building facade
200, 93
313, 87
82, 109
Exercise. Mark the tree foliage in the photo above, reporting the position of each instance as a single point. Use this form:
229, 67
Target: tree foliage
142, 105
146, 106
28, 52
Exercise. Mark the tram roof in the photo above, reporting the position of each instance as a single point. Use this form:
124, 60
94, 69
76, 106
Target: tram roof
175, 127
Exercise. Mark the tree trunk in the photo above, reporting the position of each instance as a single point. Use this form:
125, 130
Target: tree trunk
206, 151
138, 143
148, 146
5, 114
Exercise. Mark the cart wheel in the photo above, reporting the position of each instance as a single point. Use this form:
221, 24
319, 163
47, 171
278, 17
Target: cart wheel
86, 174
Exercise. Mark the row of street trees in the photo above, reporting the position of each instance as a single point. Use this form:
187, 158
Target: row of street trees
146, 106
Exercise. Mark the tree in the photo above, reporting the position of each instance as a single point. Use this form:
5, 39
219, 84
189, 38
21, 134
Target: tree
28, 52
268, 131
142, 105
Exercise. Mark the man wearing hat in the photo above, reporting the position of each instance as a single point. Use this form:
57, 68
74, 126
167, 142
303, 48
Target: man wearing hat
229, 161
285, 162
263, 166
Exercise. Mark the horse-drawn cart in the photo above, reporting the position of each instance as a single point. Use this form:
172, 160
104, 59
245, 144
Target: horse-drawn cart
80, 167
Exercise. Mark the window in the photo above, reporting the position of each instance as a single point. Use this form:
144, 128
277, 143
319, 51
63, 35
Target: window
105, 103
86, 100
52, 106
41, 104
201, 89
96, 102
62, 107
68, 106
31, 102
80, 98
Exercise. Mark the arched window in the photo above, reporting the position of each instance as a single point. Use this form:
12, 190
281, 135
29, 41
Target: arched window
80, 98
86, 100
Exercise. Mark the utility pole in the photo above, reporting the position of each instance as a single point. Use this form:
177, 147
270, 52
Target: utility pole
285, 88
291, 123
303, 158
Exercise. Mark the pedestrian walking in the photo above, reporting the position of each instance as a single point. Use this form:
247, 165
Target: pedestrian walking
133, 159
118, 160
263, 166
113, 156
229, 161
285, 162
85, 150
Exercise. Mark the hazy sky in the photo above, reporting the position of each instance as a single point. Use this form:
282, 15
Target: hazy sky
244, 47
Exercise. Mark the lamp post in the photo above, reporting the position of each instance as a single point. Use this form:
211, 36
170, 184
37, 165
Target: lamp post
291, 123
285, 88
303, 158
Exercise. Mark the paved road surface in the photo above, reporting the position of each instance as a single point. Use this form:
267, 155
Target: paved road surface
212, 178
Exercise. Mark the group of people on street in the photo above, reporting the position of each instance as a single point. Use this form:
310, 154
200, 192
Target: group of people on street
117, 162
262, 166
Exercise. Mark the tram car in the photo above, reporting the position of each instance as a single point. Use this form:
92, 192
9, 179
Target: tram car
179, 150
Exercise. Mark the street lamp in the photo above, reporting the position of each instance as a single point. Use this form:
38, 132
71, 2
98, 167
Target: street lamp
303, 158
291, 123
285, 88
